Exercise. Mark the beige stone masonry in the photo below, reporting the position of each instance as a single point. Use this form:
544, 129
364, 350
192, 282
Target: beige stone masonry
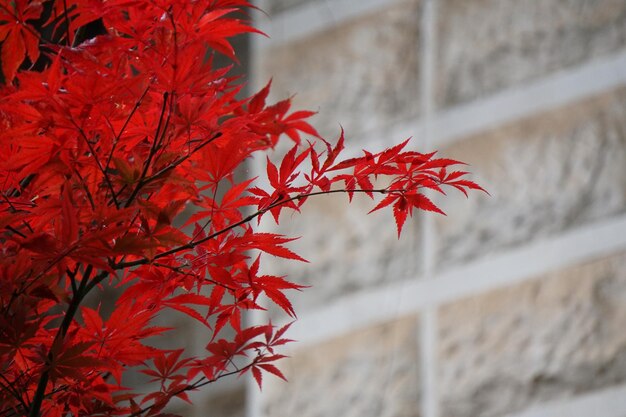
546, 174
212, 402
488, 45
523, 312
369, 373
557, 336
225, 404
348, 249
360, 74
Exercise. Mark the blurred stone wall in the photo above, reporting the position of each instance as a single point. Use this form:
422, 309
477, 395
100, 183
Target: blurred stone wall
515, 303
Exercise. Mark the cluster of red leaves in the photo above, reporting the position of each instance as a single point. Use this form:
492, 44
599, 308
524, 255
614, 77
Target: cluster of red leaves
104, 141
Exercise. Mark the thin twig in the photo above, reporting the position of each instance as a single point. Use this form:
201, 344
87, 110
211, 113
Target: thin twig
180, 270
153, 149
198, 384
107, 180
245, 220
119, 135
67, 23
147, 180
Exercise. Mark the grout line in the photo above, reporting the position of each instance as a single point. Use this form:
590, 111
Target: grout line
253, 403
535, 97
260, 21
552, 91
487, 273
313, 17
428, 359
427, 77
254, 399
608, 402
428, 320
253, 396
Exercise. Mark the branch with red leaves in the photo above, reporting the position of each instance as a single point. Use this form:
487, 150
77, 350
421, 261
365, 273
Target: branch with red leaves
106, 139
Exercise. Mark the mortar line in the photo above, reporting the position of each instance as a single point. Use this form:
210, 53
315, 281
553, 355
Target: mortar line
253, 396
428, 318
301, 21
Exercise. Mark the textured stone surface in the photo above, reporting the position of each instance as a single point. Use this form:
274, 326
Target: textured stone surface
225, 404
348, 249
277, 6
545, 174
370, 373
213, 401
361, 74
487, 45
557, 336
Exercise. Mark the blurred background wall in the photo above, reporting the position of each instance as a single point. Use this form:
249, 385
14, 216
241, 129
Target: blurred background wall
515, 303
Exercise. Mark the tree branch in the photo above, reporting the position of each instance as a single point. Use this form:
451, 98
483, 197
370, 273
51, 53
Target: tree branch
245, 220
119, 135
107, 180
35, 406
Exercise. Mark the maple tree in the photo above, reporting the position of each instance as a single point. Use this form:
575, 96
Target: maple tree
104, 141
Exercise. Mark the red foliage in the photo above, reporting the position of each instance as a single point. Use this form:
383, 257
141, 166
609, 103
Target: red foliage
103, 142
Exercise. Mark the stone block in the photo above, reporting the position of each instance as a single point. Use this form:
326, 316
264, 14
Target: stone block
488, 45
348, 250
361, 74
550, 338
212, 401
368, 373
546, 174
222, 403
